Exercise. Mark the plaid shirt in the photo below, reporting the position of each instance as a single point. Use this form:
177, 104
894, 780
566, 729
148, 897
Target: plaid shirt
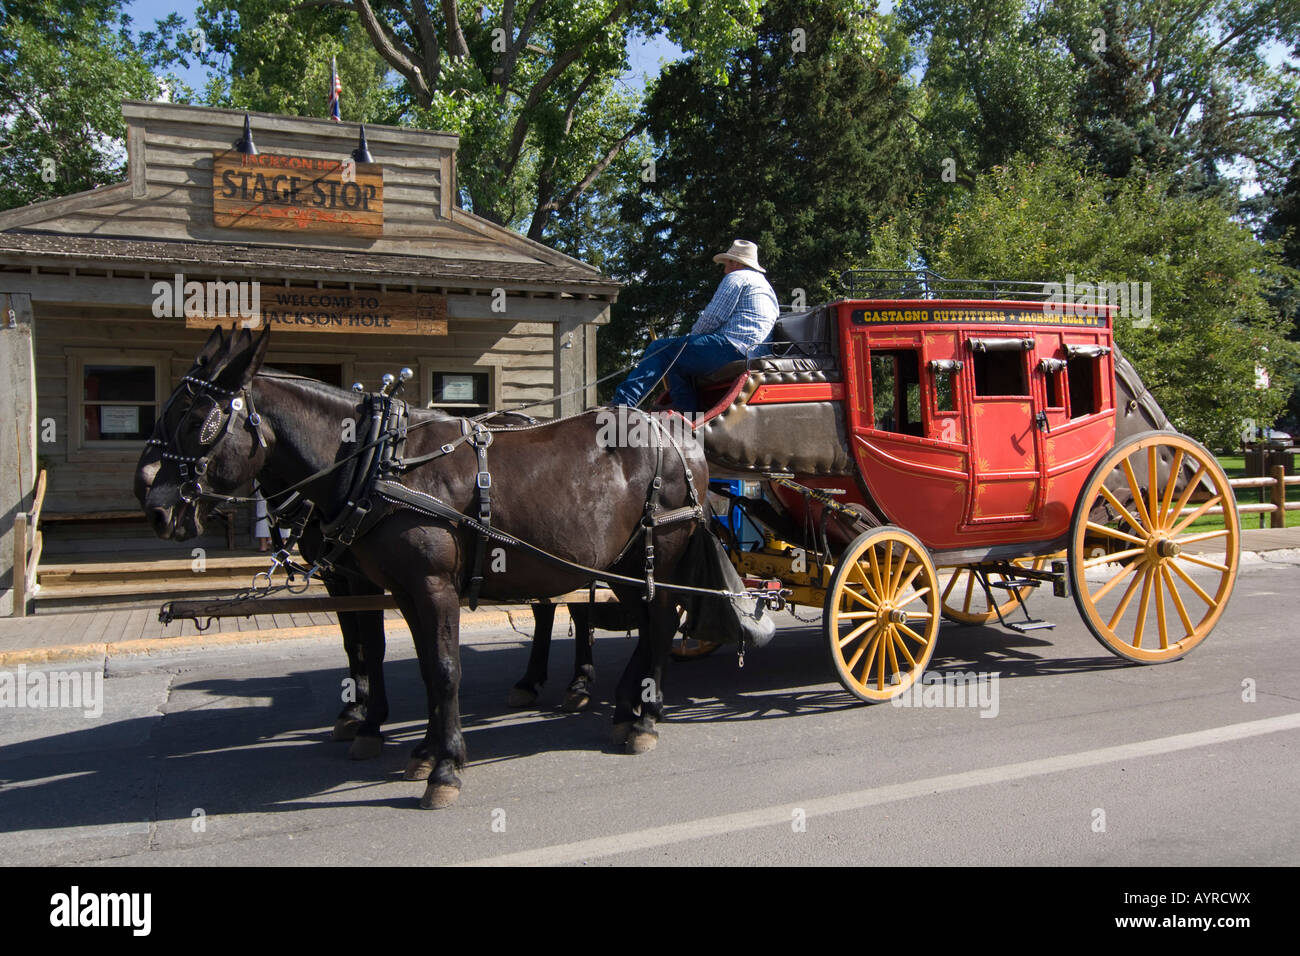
744, 309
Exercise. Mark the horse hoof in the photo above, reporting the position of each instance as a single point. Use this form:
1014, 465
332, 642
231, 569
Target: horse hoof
418, 768
366, 747
575, 702
642, 743
438, 796
520, 697
621, 732
345, 728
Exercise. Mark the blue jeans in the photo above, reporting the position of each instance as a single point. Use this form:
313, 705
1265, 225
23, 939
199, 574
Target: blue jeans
700, 355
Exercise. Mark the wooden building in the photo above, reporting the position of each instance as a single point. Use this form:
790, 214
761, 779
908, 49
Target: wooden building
359, 267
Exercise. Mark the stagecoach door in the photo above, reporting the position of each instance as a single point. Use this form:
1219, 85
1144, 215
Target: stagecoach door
1006, 427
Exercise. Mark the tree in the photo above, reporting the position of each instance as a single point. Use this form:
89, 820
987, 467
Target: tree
1184, 86
531, 88
802, 150
1211, 321
64, 70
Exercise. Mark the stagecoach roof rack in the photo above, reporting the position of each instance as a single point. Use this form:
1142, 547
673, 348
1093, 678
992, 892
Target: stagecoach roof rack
925, 284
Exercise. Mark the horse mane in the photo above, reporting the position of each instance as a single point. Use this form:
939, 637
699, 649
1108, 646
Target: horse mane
335, 391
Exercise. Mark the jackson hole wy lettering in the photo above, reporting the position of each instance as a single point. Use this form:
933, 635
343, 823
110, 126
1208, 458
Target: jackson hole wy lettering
74, 909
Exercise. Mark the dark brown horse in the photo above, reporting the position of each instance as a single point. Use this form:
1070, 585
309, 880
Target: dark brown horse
554, 486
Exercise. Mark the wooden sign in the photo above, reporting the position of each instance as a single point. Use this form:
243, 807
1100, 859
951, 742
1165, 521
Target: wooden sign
295, 309
297, 194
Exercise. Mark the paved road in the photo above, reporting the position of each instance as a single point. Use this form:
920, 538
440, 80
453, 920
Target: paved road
223, 757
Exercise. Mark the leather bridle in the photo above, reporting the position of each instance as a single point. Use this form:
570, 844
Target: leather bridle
224, 407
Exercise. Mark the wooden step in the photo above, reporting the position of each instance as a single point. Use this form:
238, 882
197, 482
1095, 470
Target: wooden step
87, 573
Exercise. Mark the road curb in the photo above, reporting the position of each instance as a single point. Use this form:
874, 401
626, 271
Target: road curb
478, 620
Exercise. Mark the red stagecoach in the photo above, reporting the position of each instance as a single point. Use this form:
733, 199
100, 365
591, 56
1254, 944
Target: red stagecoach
935, 448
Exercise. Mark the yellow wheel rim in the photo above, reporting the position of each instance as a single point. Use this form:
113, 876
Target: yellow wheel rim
1150, 568
966, 602
881, 617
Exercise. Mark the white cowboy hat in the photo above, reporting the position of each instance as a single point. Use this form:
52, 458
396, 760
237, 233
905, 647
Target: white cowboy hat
744, 252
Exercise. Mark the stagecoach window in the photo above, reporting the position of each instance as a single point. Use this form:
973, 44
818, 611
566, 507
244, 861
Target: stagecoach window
896, 391
1000, 372
945, 391
118, 402
1084, 398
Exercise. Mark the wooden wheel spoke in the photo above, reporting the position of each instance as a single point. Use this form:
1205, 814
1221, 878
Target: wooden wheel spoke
1187, 493
856, 615
875, 572
1115, 533
915, 597
1125, 600
1178, 601
970, 583
1153, 490
859, 598
887, 573
863, 647
1144, 605
852, 635
1137, 494
1204, 507
907, 583
1120, 575
952, 580
856, 568
896, 583
1161, 623
1115, 503
880, 660
1113, 558
911, 661
1174, 469
1196, 559
913, 635
1201, 536
893, 655
1200, 593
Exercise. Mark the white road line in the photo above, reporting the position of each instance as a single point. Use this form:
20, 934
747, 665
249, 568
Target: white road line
580, 850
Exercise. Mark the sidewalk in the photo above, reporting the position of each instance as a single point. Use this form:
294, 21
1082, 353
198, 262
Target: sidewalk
107, 633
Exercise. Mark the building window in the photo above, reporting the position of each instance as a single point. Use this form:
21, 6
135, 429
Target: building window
461, 392
116, 398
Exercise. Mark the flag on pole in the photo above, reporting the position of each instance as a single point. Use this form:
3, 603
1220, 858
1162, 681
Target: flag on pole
336, 88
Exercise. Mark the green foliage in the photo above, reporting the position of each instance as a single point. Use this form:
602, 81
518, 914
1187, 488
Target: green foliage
59, 136
1211, 320
801, 151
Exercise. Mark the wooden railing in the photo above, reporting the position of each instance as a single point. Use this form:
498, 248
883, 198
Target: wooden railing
1276, 483
27, 548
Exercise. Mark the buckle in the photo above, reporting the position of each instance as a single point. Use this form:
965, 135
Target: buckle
448, 448
484, 480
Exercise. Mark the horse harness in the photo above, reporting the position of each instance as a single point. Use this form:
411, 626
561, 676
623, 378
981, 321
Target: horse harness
376, 490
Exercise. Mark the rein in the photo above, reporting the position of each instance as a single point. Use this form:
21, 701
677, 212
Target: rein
379, 474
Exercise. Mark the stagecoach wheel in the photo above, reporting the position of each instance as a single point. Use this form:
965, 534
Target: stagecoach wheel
1154, 541
881, 617
965, 601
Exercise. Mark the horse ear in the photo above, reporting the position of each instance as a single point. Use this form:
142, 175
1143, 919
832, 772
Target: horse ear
246, 357
215, 344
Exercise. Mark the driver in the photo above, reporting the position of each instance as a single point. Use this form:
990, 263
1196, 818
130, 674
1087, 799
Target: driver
732, 326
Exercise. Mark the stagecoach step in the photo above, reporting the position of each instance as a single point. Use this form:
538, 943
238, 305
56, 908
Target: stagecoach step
1023, 626
1015, 585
